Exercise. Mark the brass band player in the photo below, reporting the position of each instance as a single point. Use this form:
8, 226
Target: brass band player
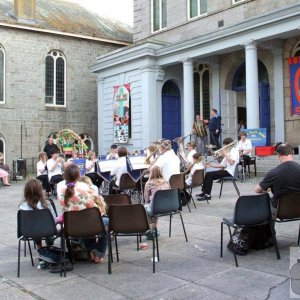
227, 165
199, 128
245, 147
195, 166
168, 161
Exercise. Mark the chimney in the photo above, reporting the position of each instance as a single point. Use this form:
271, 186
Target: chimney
25, 11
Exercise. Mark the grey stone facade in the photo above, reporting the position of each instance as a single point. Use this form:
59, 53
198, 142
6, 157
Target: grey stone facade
268, 27
25, 54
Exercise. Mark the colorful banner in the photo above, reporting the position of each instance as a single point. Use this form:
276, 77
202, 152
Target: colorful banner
294, 64
121, 113
257, 136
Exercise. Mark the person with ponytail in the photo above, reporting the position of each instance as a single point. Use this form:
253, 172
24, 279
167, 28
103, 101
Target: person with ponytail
74, 195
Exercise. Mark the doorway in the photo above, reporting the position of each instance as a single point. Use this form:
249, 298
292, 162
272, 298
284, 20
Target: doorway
171, 111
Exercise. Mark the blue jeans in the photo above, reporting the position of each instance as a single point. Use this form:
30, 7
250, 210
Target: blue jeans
98, 246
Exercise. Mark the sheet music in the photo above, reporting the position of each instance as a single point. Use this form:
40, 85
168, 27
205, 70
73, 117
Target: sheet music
107, 165
138, 162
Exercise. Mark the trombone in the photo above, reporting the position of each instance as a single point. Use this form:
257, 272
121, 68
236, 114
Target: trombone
189, 168
228, 147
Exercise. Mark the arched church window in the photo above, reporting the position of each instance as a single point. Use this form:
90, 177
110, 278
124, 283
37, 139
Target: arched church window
55, 79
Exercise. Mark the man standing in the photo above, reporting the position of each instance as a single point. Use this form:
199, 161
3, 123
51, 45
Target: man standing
283, 179
50, 146
215, 128
199, 128
227, 165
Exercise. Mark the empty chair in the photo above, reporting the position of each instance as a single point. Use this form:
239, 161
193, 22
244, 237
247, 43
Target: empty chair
288, 209
83, 224
129, 220
167, 203
233, 179
33, 225
118, 199
177, 182
127, 183
250, 211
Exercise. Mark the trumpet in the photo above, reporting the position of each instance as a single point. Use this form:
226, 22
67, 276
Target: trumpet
228, 147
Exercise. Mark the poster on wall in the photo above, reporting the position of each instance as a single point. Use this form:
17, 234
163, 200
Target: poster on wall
121, 116
257, 136
294, 66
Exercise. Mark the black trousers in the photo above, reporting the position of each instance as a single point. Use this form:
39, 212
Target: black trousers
214, 139
246, 159
45, 182
209, 180
96, 179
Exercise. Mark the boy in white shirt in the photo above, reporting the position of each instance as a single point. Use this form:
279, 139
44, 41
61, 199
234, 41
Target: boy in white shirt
228, 164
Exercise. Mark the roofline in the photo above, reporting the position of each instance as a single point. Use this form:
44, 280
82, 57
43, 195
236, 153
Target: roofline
80, 36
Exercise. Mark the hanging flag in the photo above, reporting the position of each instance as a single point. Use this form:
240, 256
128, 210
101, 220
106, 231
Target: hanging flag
294, 65
121, 117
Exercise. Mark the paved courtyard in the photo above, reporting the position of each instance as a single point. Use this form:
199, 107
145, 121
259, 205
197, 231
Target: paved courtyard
192, 270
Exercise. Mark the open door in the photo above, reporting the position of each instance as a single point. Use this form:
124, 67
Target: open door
229, 114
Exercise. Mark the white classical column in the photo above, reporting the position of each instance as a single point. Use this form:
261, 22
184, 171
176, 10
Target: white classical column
188, 96
252, 97
150, 99
215, 81
100, 90
278, 95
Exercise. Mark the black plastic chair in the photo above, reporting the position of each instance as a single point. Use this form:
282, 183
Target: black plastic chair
233, 179
129, 220
167, 203
250, 211
288, 209
35, 224
127, 184
83, 224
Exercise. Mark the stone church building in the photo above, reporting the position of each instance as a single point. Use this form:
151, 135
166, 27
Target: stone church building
189, 56
46, 49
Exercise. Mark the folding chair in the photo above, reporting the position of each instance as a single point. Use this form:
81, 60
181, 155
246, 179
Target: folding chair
129, 220
233, 179
250, 211
33, 225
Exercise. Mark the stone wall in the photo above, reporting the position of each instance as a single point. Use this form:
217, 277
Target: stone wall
180, 28
25, 53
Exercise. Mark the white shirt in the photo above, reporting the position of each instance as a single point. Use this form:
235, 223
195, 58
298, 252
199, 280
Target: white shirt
244, 146
190, 156
56, 171
234, 155
89, 164
112, 156
120, 168
40, 168
198, 166
169, 163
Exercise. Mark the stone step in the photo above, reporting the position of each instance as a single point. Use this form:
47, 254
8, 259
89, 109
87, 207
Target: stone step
266, 163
